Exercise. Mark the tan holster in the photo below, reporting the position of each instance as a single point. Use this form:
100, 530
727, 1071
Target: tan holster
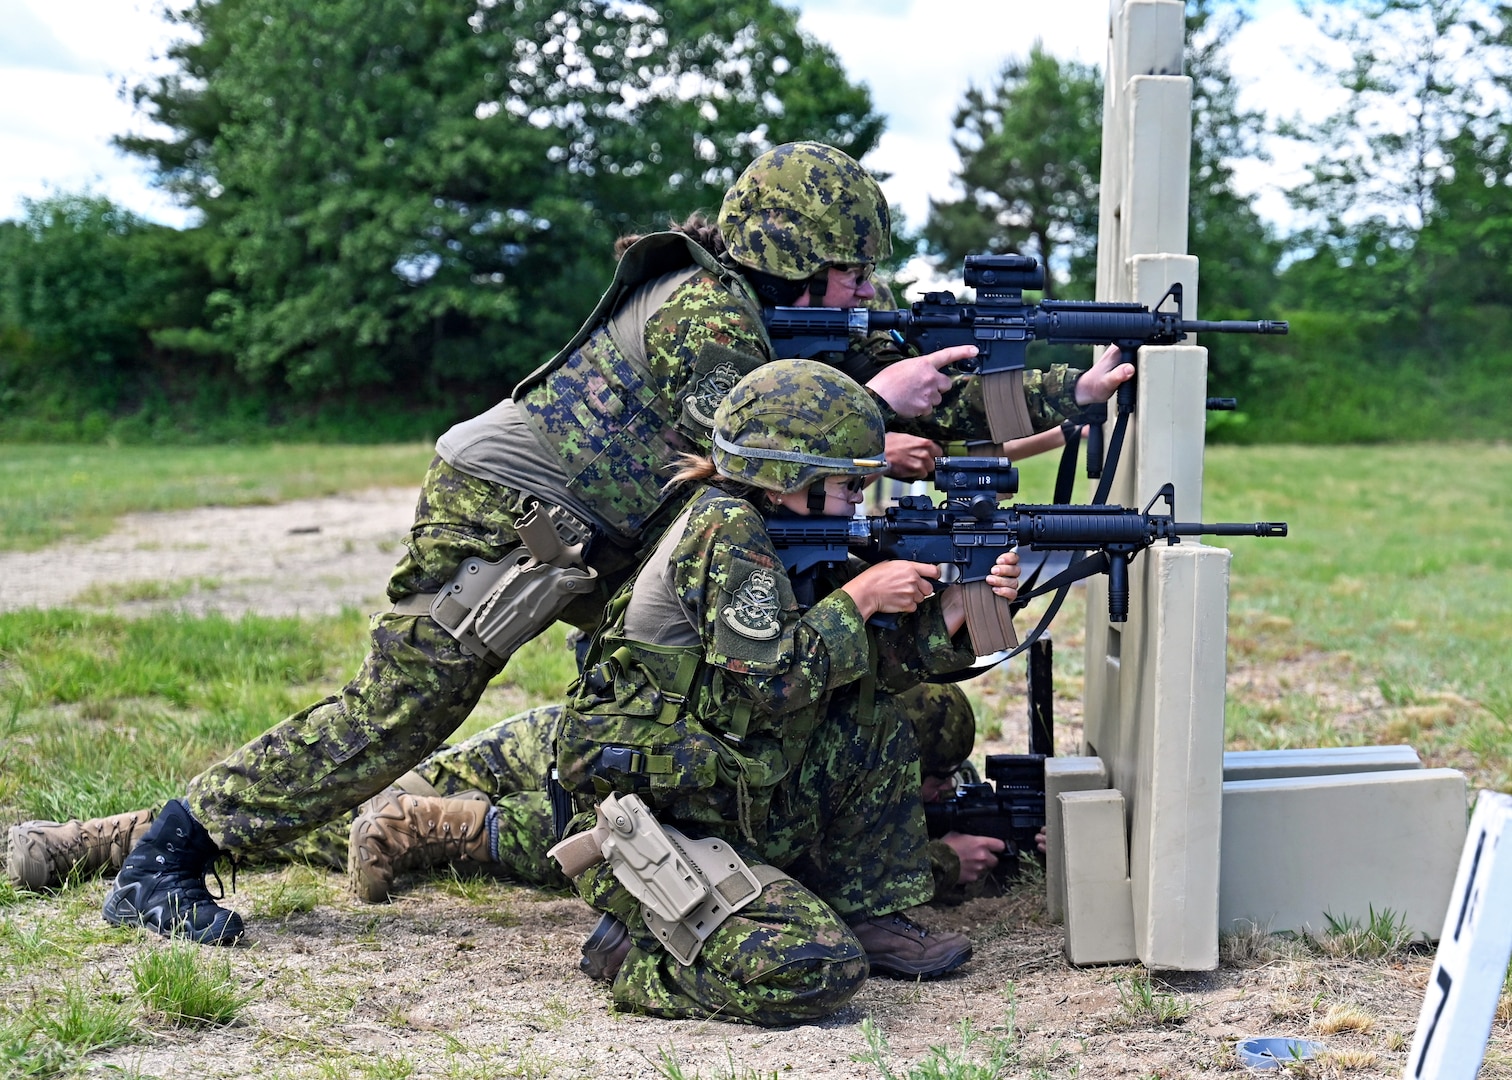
687, 888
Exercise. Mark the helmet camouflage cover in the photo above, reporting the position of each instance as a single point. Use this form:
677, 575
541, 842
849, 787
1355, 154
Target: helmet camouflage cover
945, 724
804, 206
791, 422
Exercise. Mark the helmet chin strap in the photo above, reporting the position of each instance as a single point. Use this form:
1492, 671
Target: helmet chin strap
773, 291
818, 286
816, 497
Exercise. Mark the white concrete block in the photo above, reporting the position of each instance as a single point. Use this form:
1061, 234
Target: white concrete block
1155, 35
1063, 774
1317, 761
1296, 849
1102, 661
1168, 430
1099, 915
1176, 800
1159, 150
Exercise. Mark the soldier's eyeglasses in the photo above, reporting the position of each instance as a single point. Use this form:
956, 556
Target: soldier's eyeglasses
860, 273
854, 484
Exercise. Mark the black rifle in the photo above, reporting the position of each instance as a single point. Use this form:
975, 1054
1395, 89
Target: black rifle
1009, 805
968, 530
1001, 324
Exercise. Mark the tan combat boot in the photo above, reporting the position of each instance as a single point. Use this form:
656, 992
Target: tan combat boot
900, 948
43, 854
395, 831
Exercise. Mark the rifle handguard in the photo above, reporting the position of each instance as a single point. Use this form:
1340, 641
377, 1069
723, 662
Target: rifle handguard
989, 619
1007, 412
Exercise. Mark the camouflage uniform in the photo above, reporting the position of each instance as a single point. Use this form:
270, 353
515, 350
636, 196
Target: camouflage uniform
509, 763
793, 748
588, 435
418, 684
615, 422
946, 729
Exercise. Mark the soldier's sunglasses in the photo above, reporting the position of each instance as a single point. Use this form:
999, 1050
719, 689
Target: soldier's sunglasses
860, 272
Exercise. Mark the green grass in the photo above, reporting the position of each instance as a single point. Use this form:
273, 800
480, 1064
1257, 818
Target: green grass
101, 714
1379, 934
1398, 568
50, 1033
51, 493
1145, 1006
188, 985
1395, 584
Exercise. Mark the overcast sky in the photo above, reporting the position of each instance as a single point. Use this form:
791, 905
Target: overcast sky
62, 65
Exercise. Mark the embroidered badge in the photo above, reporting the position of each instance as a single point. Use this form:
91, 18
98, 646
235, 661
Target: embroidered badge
710, 391
753, 610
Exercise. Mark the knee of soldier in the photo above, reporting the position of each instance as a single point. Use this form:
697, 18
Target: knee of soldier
788, 958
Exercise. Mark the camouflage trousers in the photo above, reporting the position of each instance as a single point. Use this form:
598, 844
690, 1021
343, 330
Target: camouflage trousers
848, 826
415, 688
509, 763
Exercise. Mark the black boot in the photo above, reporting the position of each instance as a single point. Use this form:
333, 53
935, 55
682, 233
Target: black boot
605, 949
162, 883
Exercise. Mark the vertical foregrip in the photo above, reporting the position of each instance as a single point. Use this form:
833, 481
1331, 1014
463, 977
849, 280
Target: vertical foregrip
989, 619
1118, 587
1007, 412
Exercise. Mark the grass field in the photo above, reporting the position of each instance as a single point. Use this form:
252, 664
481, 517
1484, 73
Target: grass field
1396, 580
1384, 618
50, 493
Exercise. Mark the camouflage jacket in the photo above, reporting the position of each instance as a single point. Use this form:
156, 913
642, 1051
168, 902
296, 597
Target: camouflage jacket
709, 731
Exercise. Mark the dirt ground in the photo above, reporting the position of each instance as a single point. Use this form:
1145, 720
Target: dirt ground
472, 977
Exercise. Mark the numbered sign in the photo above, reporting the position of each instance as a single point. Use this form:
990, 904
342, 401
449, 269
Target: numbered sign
1466, 983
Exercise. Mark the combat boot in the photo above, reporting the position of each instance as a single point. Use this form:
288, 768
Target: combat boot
395, 832
162, 883
45, 854
605, 949
900, 948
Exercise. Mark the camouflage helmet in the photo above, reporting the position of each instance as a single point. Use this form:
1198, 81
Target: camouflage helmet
804, 206
945, 725
791, 422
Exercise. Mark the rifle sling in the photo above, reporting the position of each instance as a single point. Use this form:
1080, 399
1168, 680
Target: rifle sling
1110, 463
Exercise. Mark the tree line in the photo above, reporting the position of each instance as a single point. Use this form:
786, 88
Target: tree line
404, 205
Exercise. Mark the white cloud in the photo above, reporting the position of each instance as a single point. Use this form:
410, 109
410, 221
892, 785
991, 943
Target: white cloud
30, 42
61, 103
919, 56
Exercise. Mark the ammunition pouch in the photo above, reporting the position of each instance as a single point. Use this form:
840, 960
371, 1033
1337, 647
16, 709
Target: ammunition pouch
492, 608
687, 888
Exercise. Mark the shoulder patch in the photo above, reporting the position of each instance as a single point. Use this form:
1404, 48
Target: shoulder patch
709, 391
754, 608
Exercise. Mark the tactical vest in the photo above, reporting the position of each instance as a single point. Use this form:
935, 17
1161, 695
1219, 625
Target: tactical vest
596, 404
658, 722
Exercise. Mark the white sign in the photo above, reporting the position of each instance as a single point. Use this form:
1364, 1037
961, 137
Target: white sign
1466, 982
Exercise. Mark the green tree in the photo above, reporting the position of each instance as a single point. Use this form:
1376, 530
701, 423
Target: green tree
1426, 94
86, 291
1030, 146
423, 194
1237, 250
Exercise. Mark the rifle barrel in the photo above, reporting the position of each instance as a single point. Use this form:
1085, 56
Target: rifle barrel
1233, 528
1237, 326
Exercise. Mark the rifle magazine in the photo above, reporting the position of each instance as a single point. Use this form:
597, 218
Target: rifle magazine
1007, 411
989, 619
